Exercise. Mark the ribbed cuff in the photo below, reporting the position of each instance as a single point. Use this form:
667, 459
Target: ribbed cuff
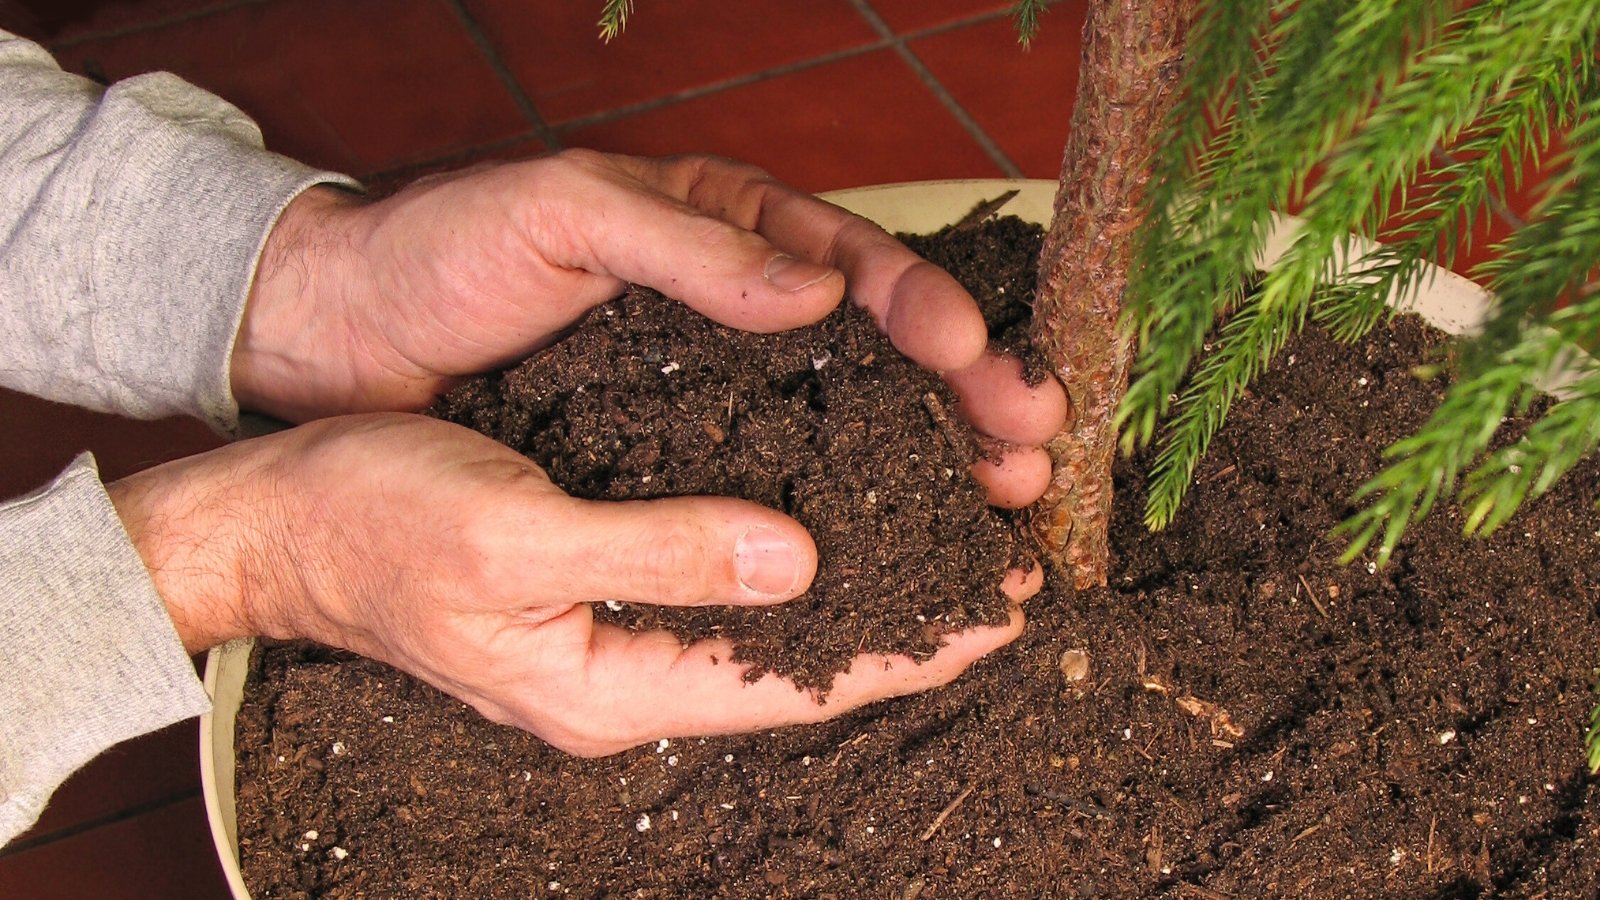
88, 655
136, 255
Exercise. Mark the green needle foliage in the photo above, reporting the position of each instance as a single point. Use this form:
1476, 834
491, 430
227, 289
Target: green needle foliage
614, 18
1593, 740
1417, 113
1026, 13
1413, 112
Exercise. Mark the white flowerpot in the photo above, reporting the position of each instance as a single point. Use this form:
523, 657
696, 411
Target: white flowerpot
1449, 301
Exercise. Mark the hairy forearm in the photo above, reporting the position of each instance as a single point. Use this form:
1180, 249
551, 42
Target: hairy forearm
198, 525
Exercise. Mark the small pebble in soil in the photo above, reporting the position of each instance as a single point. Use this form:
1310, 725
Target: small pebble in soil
1075, 665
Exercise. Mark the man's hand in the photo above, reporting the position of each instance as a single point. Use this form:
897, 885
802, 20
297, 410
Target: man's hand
438, 550
381, 306
449, 556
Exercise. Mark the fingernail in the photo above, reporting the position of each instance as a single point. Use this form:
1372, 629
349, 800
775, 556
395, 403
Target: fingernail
766, 561
790, 273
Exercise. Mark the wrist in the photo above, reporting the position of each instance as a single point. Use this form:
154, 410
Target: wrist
292, 356
205, 547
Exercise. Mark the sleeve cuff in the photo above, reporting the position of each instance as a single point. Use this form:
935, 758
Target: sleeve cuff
88, 655
137, 252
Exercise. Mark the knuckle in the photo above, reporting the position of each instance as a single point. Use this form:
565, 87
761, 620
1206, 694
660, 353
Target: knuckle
580, 158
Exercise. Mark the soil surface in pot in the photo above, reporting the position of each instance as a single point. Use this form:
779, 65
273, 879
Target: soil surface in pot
1235, 715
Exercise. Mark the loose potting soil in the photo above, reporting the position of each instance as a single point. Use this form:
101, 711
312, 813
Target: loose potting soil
1235, 715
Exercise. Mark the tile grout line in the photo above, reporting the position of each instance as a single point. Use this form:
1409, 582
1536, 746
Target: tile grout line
519, 96
121, 815
56, 47
716, 87
932, 83
623, 112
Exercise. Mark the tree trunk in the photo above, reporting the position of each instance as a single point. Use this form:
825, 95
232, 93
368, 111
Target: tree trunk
1132, 54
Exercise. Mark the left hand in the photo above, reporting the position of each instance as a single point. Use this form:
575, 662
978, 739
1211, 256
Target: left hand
382, 306
439, 551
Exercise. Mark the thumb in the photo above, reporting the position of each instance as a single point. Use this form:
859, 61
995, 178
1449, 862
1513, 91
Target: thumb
681, 551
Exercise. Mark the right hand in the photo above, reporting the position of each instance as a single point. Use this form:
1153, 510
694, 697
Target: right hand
381, 306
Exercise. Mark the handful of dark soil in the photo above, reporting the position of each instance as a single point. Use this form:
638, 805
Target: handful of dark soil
829, 424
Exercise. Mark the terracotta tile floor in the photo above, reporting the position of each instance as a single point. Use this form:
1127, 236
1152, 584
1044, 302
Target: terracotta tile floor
825, 95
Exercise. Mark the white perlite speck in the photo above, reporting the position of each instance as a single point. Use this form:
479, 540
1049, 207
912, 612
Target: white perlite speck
643, 824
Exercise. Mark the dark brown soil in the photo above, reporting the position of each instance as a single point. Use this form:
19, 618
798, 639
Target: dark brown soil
828, 424
1255, 721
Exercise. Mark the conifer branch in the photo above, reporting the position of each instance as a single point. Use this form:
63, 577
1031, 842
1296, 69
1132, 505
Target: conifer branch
1427, 463
1192, 260
1026, 14
1445, 90
1593, 738
1222, 68
1526, 469
1547, 252
614, 18
1556, 252
1433, 228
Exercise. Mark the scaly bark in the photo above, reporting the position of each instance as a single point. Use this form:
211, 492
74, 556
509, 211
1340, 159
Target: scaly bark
1132, 54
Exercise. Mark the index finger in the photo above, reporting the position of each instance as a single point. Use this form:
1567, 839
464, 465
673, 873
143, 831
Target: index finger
675, 691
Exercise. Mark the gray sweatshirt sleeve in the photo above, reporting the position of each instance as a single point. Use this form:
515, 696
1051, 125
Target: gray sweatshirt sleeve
88, 657
131, 218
